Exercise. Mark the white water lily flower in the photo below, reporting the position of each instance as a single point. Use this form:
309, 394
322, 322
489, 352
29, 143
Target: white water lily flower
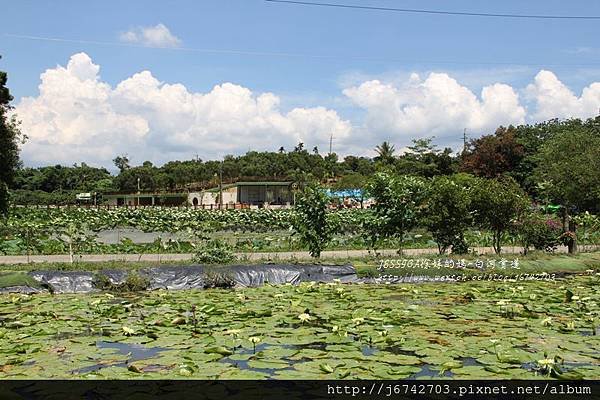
358, 320
254, 339
383, 333
304, 317
128, 331
547, 321
335, 328
546, 362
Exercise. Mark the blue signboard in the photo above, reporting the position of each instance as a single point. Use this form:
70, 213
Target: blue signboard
348, 193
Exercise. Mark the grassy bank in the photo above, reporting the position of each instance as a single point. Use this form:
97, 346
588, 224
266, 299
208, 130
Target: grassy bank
368, 266
532, 263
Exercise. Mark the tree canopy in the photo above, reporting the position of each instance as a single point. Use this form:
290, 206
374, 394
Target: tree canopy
568, 167
10, 136
542, 158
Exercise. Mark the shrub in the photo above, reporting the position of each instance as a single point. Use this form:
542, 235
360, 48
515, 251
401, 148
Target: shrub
447, 215
218, 279
397, 205
133, 283
540, 232
311, 221
215, 252
497, 204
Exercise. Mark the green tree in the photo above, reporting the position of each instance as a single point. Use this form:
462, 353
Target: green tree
121, 162
351, 181
398, 201
569, 169
424, 159
423, 146
360, 165
447, 213
497, 204
385, 153
10, 137
568, 173
144, 176
311, 221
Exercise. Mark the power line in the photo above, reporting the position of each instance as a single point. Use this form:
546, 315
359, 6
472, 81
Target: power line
296, 55
438, 12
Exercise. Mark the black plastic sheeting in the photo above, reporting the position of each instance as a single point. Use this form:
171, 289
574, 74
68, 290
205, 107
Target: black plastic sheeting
22, 289
195, 276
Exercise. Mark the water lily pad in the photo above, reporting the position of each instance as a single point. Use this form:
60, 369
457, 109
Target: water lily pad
218, 350
268, 364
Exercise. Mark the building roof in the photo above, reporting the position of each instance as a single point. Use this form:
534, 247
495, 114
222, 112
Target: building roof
354, 193
261, 183
143, 195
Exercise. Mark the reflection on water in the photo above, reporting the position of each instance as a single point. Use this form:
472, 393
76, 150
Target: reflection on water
134, 351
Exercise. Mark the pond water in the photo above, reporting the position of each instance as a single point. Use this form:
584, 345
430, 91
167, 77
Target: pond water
133, 351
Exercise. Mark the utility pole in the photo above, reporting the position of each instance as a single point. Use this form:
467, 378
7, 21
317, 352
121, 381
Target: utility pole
221, 186
464, 141
330, 153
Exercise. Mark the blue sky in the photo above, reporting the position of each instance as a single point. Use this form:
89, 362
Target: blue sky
328, 51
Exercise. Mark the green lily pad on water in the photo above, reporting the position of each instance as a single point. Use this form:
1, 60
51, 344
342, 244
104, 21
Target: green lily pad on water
439, 331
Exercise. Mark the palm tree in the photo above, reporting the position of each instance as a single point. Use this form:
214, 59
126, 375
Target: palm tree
385, 153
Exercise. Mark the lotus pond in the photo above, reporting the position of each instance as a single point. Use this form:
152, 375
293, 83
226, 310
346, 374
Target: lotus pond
482, 330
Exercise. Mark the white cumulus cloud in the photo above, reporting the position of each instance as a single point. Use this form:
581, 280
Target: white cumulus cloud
78, 117
152, 36
555, 100
437, 105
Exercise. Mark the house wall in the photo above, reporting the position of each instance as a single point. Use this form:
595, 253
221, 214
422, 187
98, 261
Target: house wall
111, 201
144, 200
260, 194
212, 198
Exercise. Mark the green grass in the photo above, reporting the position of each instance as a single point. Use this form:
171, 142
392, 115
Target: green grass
87, 266
12, 279
365, 266
532, 263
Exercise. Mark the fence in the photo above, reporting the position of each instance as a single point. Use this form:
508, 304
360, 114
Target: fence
227, 206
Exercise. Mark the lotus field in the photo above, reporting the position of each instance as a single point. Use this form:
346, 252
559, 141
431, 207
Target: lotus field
61, 230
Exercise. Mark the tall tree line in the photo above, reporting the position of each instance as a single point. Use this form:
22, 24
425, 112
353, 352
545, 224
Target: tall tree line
9, 144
